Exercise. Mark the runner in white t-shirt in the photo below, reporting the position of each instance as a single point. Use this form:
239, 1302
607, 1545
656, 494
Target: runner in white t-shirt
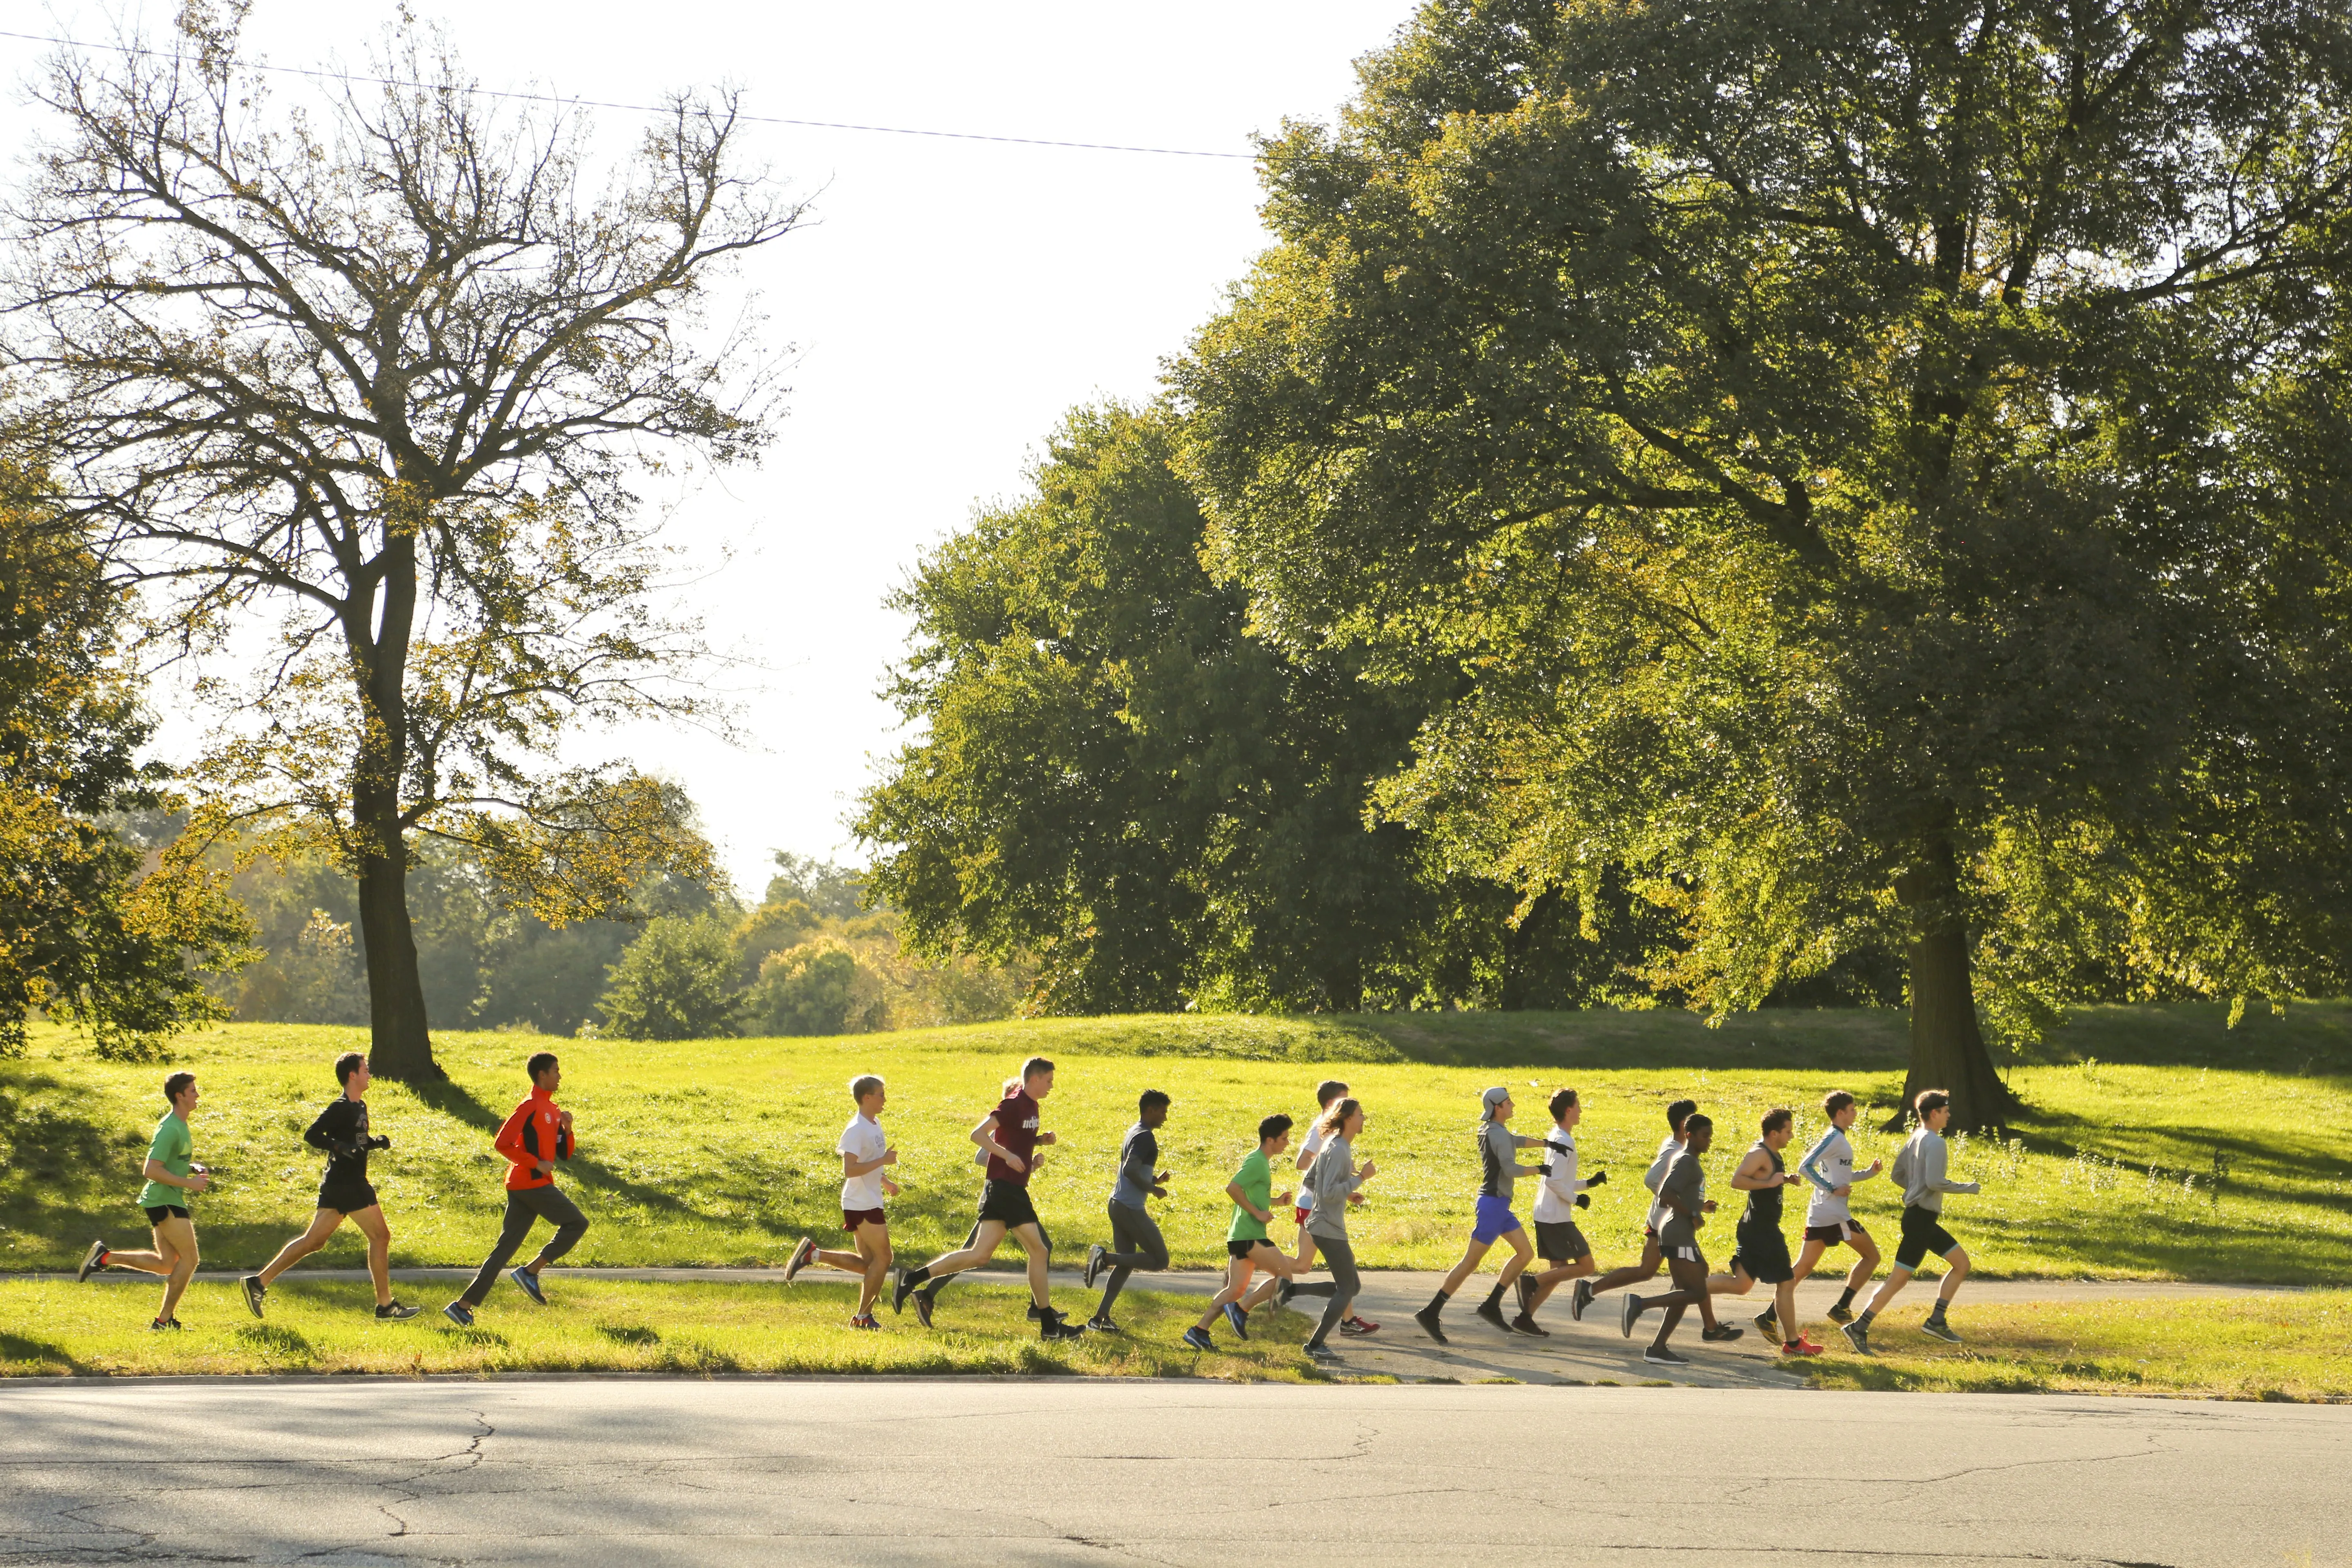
1559, 1243
864, 1153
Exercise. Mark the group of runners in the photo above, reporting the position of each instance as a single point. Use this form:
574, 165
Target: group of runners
1007, 1142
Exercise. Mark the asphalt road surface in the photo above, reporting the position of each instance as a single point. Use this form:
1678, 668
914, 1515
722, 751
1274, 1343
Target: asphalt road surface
588, 1472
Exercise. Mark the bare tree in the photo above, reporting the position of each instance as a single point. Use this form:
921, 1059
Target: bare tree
375, 383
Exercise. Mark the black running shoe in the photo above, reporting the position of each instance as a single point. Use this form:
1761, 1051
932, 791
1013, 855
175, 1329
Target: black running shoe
901, 1289
1493, 1312
92, 1261
162, 1325
1321, 1353
1036, 1314
1197, 1337
800, 1259
924, 1302
1526, 1293
254, 1291
1631, 1315
1284, 1292
1428, 1320
394, 1312
459, 1314
1238, 1319
1103, 1325
1578, 1302
1841, 1314
528, 1283
1857, 1336
1525, 1323
1936, 1329
1722, 1333
1094, 1263
1659, 1355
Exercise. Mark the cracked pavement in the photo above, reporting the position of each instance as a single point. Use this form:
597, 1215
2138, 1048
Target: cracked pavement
639, 1471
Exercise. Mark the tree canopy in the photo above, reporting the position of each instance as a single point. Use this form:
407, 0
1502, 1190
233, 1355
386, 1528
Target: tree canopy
1874, 467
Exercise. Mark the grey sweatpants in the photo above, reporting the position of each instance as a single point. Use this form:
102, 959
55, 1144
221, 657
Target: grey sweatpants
1340, 1259
526, 1206
1135, 1244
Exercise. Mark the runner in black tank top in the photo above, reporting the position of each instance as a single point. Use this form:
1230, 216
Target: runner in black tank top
1763, 1252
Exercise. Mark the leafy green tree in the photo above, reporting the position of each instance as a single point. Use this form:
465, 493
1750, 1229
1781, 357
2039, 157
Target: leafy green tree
1115, 777
805, 990
1873, 467
95, 927
676, 982
832, 891
365, 385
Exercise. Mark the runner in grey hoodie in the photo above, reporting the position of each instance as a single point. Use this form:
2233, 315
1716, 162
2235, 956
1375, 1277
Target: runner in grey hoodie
1923, 1169
1334, 1178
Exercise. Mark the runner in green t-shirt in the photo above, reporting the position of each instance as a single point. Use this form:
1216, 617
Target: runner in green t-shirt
172, 1178
1247, 1251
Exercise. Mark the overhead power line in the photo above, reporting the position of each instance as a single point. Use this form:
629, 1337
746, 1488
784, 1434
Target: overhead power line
652, 108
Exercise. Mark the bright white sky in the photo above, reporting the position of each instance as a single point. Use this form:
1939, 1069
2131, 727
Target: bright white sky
951, 301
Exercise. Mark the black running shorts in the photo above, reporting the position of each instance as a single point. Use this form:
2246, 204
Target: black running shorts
1922, 1232
1007, 1203
1559, 1241
1243, 1248
346, 1197
1763, 1255
1837, 1233
156, 1215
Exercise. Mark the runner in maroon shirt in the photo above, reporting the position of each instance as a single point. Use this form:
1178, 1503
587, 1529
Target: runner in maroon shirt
1010, 1137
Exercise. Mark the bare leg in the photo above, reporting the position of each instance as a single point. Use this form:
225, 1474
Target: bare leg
1278, 1266
1557, 1275
1896, 1280
1959, 1258
1784, 1304
1866, 1264
322, 1225
1471, 1255
1033, 1242
379, 1250
986, 1235
1633, 1273
1237, 1277
1522, 1254
1690, 1280
874, 1246
179, 1235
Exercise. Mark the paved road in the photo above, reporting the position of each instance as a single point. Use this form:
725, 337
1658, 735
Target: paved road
1591, 1351
585, 1473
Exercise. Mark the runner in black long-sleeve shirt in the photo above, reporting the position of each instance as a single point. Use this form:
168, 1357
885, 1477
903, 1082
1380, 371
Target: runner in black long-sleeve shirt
344, 1192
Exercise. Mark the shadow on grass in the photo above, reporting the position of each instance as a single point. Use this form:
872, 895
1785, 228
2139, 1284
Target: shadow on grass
629, 1334
42, 1355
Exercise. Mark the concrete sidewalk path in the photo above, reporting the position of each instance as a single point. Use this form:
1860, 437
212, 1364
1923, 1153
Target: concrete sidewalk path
647, 1473
1594, 1351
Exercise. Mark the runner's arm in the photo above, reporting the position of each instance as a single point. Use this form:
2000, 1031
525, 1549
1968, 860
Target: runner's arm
1809, 1167
1754, 1174
1242, 1202
156, 1171
985, 1136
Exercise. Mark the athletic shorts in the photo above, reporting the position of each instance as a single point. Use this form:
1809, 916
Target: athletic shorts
156, 1215
1559, 1241
1922, 1232
1494, 1218
1007, 1202
1679, 1242
1243, 1248
347, 1197
1763, 1255
1837, 1233
852, 1218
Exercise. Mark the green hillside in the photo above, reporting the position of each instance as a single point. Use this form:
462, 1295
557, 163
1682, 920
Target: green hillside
720, 1152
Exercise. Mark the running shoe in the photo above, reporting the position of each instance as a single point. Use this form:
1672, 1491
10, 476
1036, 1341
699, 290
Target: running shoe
1321, 1353
1936, 1329
1036, 1314
1094, 1263
1526, 1323
1428, 1320
1284, 1292
1722, 1333
1055, 1326
92, 1260
1857, 1336
1238, 1319
1767, 1324
528, 1283
1659, 1355
1493, 1312
1103, 1325
1526, 1293
162, 1325
802, 1255
924, 1302
1841, 1314
863, 1321
1582, 1299
1198, 1338
395, 1311
254, 1291
901, 1290
459, 1314
1357, 1327
1631, 1315
1801, 1346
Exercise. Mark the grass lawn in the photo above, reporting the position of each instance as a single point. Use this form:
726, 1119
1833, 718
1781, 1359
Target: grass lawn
721, 1151
2295, 1347
54, 1329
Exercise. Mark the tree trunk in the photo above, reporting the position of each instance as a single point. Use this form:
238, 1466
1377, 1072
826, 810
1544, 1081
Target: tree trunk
399, 1044
1948, 1049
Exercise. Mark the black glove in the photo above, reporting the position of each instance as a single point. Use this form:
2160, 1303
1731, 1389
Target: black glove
380, 1143
1597, 1178
1584, 1200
